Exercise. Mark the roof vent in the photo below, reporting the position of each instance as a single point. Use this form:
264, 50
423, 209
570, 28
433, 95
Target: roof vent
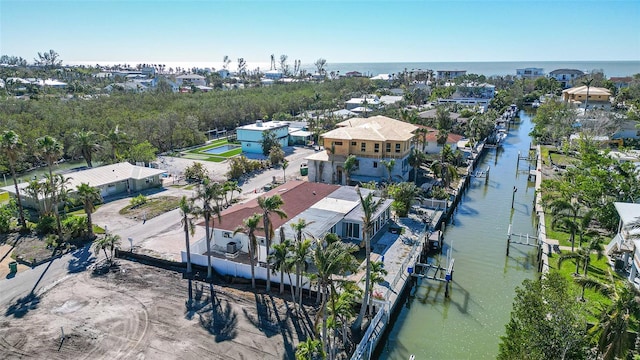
259, 123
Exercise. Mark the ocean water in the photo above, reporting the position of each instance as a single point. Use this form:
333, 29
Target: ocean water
489, 68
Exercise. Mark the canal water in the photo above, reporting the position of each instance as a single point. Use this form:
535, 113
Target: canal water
469, 324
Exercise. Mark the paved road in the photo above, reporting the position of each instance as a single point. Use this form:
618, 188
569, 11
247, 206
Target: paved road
163, 234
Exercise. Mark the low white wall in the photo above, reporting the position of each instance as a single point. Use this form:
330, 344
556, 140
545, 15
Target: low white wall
236, 269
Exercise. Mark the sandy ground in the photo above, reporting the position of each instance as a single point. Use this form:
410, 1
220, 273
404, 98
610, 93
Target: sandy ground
140, 312
6, 259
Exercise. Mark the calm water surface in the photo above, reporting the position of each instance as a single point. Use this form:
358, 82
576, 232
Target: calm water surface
470, 323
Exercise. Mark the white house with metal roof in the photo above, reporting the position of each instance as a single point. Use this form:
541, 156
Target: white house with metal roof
250, 136
627, 240
111, 180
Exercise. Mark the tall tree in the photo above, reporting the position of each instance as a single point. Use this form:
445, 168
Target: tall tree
416, 159
331, 258
189, 212
88, 196
300, 252
51, 150
389, 165
117, 141
559, 334
269, 206
85, 143
110, 242
350, 164
611, 332
369, 207
250, 225
280, 261
210, 193
320, 64
11, 148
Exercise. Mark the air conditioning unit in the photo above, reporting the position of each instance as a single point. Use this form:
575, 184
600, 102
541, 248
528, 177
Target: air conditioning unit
232, 247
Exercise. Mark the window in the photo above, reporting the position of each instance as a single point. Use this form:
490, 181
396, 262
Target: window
376, 148
354, 143
398, 148
337, 143
375, 164
388, 147
351, 230
226, 234
363, 147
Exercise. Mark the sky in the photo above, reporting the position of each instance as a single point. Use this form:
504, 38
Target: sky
101, 31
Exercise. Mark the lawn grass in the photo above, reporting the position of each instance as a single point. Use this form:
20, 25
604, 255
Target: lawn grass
600, 270
556, 234
4, 196
562, 159
211, 145
152, 208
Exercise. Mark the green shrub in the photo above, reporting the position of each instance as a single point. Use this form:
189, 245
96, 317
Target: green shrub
139, 200
46, 225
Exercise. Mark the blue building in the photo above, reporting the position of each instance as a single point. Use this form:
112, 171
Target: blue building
250, 136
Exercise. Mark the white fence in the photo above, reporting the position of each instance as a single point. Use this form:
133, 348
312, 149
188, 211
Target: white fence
236, 269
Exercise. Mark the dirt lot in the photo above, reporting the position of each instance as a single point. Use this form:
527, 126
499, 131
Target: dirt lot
142, 312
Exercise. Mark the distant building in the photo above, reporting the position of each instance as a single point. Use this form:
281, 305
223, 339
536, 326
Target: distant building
190, 79
566, 77
598, 97
450, 74
353, 74
621, 82
250, 136
530, 73
273, 74
471, 94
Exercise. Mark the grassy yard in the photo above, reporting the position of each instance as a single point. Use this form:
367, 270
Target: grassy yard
200, 154
152, 208
599, 270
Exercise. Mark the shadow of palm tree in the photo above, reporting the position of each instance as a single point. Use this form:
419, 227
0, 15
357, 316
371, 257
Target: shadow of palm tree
196, 301
81, 260
220, 320
265, 321
23, 305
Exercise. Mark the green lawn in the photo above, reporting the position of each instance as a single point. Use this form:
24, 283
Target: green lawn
600, 270
200, 154
4, 196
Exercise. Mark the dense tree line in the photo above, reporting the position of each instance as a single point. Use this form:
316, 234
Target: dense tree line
166, 120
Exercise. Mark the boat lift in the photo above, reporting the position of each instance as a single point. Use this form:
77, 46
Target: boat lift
526, 240
436, 272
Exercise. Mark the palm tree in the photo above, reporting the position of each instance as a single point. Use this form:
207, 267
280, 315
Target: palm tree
332, 156
369, 208
342, 306
566, 212
33, 190
301, 251
230, 187
109, 241
378, 272
300, 254
310, 349
88, 196
331, 258
50, 150
250, 225
209, 192
11, 149
86, 143
611, 332
270, 205
389, 165
285, 164
587, 83
189, 213
116, 140
416, 159
280, 261
445, 171
350, 164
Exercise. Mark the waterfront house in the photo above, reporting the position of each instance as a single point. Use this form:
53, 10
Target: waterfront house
371, 140
625, 246
598, 97
471, 94
326, 208
530, 73
566, 77
627, 130
430, 141
111, 180
365, 101
250, 136
621, 82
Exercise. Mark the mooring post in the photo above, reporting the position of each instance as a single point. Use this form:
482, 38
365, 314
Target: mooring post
446, 289
508, 239
518, 161
486, 178
513, 196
